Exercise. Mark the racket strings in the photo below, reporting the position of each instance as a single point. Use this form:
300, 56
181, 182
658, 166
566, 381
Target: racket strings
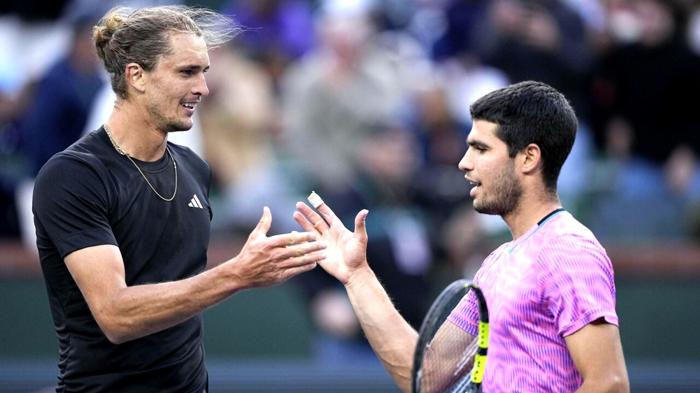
467, 361
438, 373
447, 359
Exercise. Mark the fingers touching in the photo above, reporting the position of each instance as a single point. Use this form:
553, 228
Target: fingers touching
289, 239
309, 219
269, 260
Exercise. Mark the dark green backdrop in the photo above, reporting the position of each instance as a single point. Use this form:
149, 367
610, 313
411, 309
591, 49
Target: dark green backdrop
659, 321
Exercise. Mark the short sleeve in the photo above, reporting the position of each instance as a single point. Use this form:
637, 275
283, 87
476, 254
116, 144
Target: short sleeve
466, 314
578, 284
70, 205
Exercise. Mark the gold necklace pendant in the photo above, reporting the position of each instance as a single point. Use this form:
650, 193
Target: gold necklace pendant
123, 153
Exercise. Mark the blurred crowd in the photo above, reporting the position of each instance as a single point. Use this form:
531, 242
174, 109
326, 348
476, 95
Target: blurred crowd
367, 103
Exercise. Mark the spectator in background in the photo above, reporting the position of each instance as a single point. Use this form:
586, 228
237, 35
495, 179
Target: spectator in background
439, 190
239, 142
639, 84
338, 104
278, 31
57, 112
440, 135
443, 112
400, 245
645, 126
463, 20
13, 160
542, 40
349, 80
466, 244
34, 36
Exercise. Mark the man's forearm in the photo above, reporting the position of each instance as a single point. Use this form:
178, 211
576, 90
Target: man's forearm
140, 310
391, 337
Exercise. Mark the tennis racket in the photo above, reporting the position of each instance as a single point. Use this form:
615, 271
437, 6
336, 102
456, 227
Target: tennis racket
469, 382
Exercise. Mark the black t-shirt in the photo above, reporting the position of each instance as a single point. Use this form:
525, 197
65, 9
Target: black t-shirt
90, 195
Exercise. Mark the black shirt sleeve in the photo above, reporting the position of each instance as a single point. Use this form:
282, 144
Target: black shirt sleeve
71, 205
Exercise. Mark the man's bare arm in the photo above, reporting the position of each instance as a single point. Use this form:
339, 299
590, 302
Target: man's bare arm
128, 312
391, 337
597, 353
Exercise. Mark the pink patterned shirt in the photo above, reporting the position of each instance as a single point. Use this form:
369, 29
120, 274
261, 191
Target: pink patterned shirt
540, 288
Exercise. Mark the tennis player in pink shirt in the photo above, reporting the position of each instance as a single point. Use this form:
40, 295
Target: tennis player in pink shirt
550, 291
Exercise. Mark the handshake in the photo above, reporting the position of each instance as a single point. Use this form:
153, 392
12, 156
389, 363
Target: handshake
325, 241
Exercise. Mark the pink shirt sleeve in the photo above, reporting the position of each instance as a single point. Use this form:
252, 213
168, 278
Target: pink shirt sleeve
578, 284
466, 314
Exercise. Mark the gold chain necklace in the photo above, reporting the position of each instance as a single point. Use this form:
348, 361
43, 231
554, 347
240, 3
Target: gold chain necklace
123, 153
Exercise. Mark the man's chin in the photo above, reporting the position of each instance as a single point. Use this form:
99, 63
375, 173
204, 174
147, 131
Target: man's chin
480, 208
177, 127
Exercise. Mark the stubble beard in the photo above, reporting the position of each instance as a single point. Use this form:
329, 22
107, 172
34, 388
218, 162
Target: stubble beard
165, 124
506, 194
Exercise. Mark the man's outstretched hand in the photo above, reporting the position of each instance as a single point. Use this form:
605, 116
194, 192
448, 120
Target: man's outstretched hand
346, 252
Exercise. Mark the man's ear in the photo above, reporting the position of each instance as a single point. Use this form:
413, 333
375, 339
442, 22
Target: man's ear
135, 77
530, 158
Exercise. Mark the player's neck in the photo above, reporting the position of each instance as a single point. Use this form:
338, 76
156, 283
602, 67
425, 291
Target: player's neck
529, 212
134, 134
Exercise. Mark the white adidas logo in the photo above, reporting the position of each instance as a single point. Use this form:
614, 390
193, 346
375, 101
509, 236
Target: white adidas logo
194, 202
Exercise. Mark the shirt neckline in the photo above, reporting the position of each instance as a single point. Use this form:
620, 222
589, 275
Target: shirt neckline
540, 224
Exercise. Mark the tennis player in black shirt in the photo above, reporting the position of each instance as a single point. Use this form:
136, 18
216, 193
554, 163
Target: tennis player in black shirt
123, 218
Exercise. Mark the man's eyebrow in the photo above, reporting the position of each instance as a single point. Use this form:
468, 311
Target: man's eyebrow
477, 144
193, 67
